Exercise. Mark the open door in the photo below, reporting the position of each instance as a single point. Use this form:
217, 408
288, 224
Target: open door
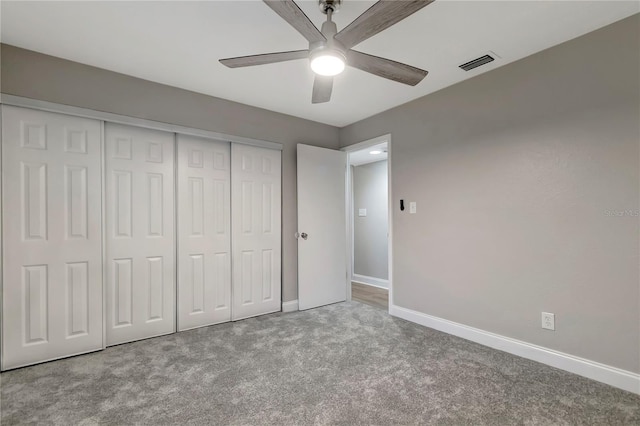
322, 236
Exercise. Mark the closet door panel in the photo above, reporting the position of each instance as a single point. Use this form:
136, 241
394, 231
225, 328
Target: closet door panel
140, 233
204, 232
256, 209
52, 243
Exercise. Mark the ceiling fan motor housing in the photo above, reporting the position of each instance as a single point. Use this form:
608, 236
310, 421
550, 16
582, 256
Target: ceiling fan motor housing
329, 30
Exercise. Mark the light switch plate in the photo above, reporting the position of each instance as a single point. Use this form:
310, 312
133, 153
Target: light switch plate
413, 208
362, 212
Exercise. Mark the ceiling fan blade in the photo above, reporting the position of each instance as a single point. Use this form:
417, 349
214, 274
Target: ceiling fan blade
377, 18
322, 86
386, 68
290, 12
265, 58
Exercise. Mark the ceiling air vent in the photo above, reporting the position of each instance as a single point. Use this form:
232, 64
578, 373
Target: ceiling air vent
477, 62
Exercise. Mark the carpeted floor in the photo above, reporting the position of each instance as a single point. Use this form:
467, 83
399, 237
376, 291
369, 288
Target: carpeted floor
347, 363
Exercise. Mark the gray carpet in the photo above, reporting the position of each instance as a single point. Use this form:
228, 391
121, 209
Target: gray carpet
347, 363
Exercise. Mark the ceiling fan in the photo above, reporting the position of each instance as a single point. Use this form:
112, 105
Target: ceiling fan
329, 50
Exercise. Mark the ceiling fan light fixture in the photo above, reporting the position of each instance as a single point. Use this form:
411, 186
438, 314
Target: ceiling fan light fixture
328, 63
330, 50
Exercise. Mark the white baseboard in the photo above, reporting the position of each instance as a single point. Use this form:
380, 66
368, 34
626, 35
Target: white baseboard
376, 282
290, 306
613, 376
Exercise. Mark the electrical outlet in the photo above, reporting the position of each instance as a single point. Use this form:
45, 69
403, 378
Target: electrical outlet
413, 208
548, 321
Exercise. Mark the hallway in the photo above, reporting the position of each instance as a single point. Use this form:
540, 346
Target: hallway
373, 296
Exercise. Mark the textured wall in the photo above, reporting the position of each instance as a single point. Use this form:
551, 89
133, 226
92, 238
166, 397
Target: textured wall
527, 183
370, 244
34, 75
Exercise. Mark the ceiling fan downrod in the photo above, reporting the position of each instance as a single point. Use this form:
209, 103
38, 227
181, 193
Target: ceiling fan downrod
329, 28
328, 57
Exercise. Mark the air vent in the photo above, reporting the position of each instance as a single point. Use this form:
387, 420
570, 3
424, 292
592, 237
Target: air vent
477, 62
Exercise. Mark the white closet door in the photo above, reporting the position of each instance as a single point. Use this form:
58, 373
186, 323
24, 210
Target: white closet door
139, 233
204, 232
52, 246
256, 236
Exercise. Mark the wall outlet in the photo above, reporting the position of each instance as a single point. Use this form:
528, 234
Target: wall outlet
413, 207
548, 321
362, 212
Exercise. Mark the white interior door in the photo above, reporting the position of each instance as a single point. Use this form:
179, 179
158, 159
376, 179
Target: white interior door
139, 233
52, 245
256, 230
322, 245
204, 232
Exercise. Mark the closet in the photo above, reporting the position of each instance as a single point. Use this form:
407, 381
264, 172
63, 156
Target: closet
52, 243
255, 182
140, 240
204, 232
114, 233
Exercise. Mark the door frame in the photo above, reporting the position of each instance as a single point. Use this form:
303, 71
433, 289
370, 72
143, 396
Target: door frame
350, 217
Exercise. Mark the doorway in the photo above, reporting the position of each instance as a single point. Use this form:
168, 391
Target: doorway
369, 219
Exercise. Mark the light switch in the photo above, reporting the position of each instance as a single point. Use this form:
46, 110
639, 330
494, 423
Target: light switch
413, 208
362, 212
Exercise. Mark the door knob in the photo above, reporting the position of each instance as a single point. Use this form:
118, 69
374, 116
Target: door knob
303, 235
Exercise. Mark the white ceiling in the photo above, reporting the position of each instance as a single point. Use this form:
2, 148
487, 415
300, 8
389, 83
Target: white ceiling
364, 156
179, 43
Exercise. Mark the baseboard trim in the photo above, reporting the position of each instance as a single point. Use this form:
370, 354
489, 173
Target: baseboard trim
372, 281
613, 376
290, 306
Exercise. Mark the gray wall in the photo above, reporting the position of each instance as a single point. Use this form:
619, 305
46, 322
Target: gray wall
370, 245
527, 183
34, 75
